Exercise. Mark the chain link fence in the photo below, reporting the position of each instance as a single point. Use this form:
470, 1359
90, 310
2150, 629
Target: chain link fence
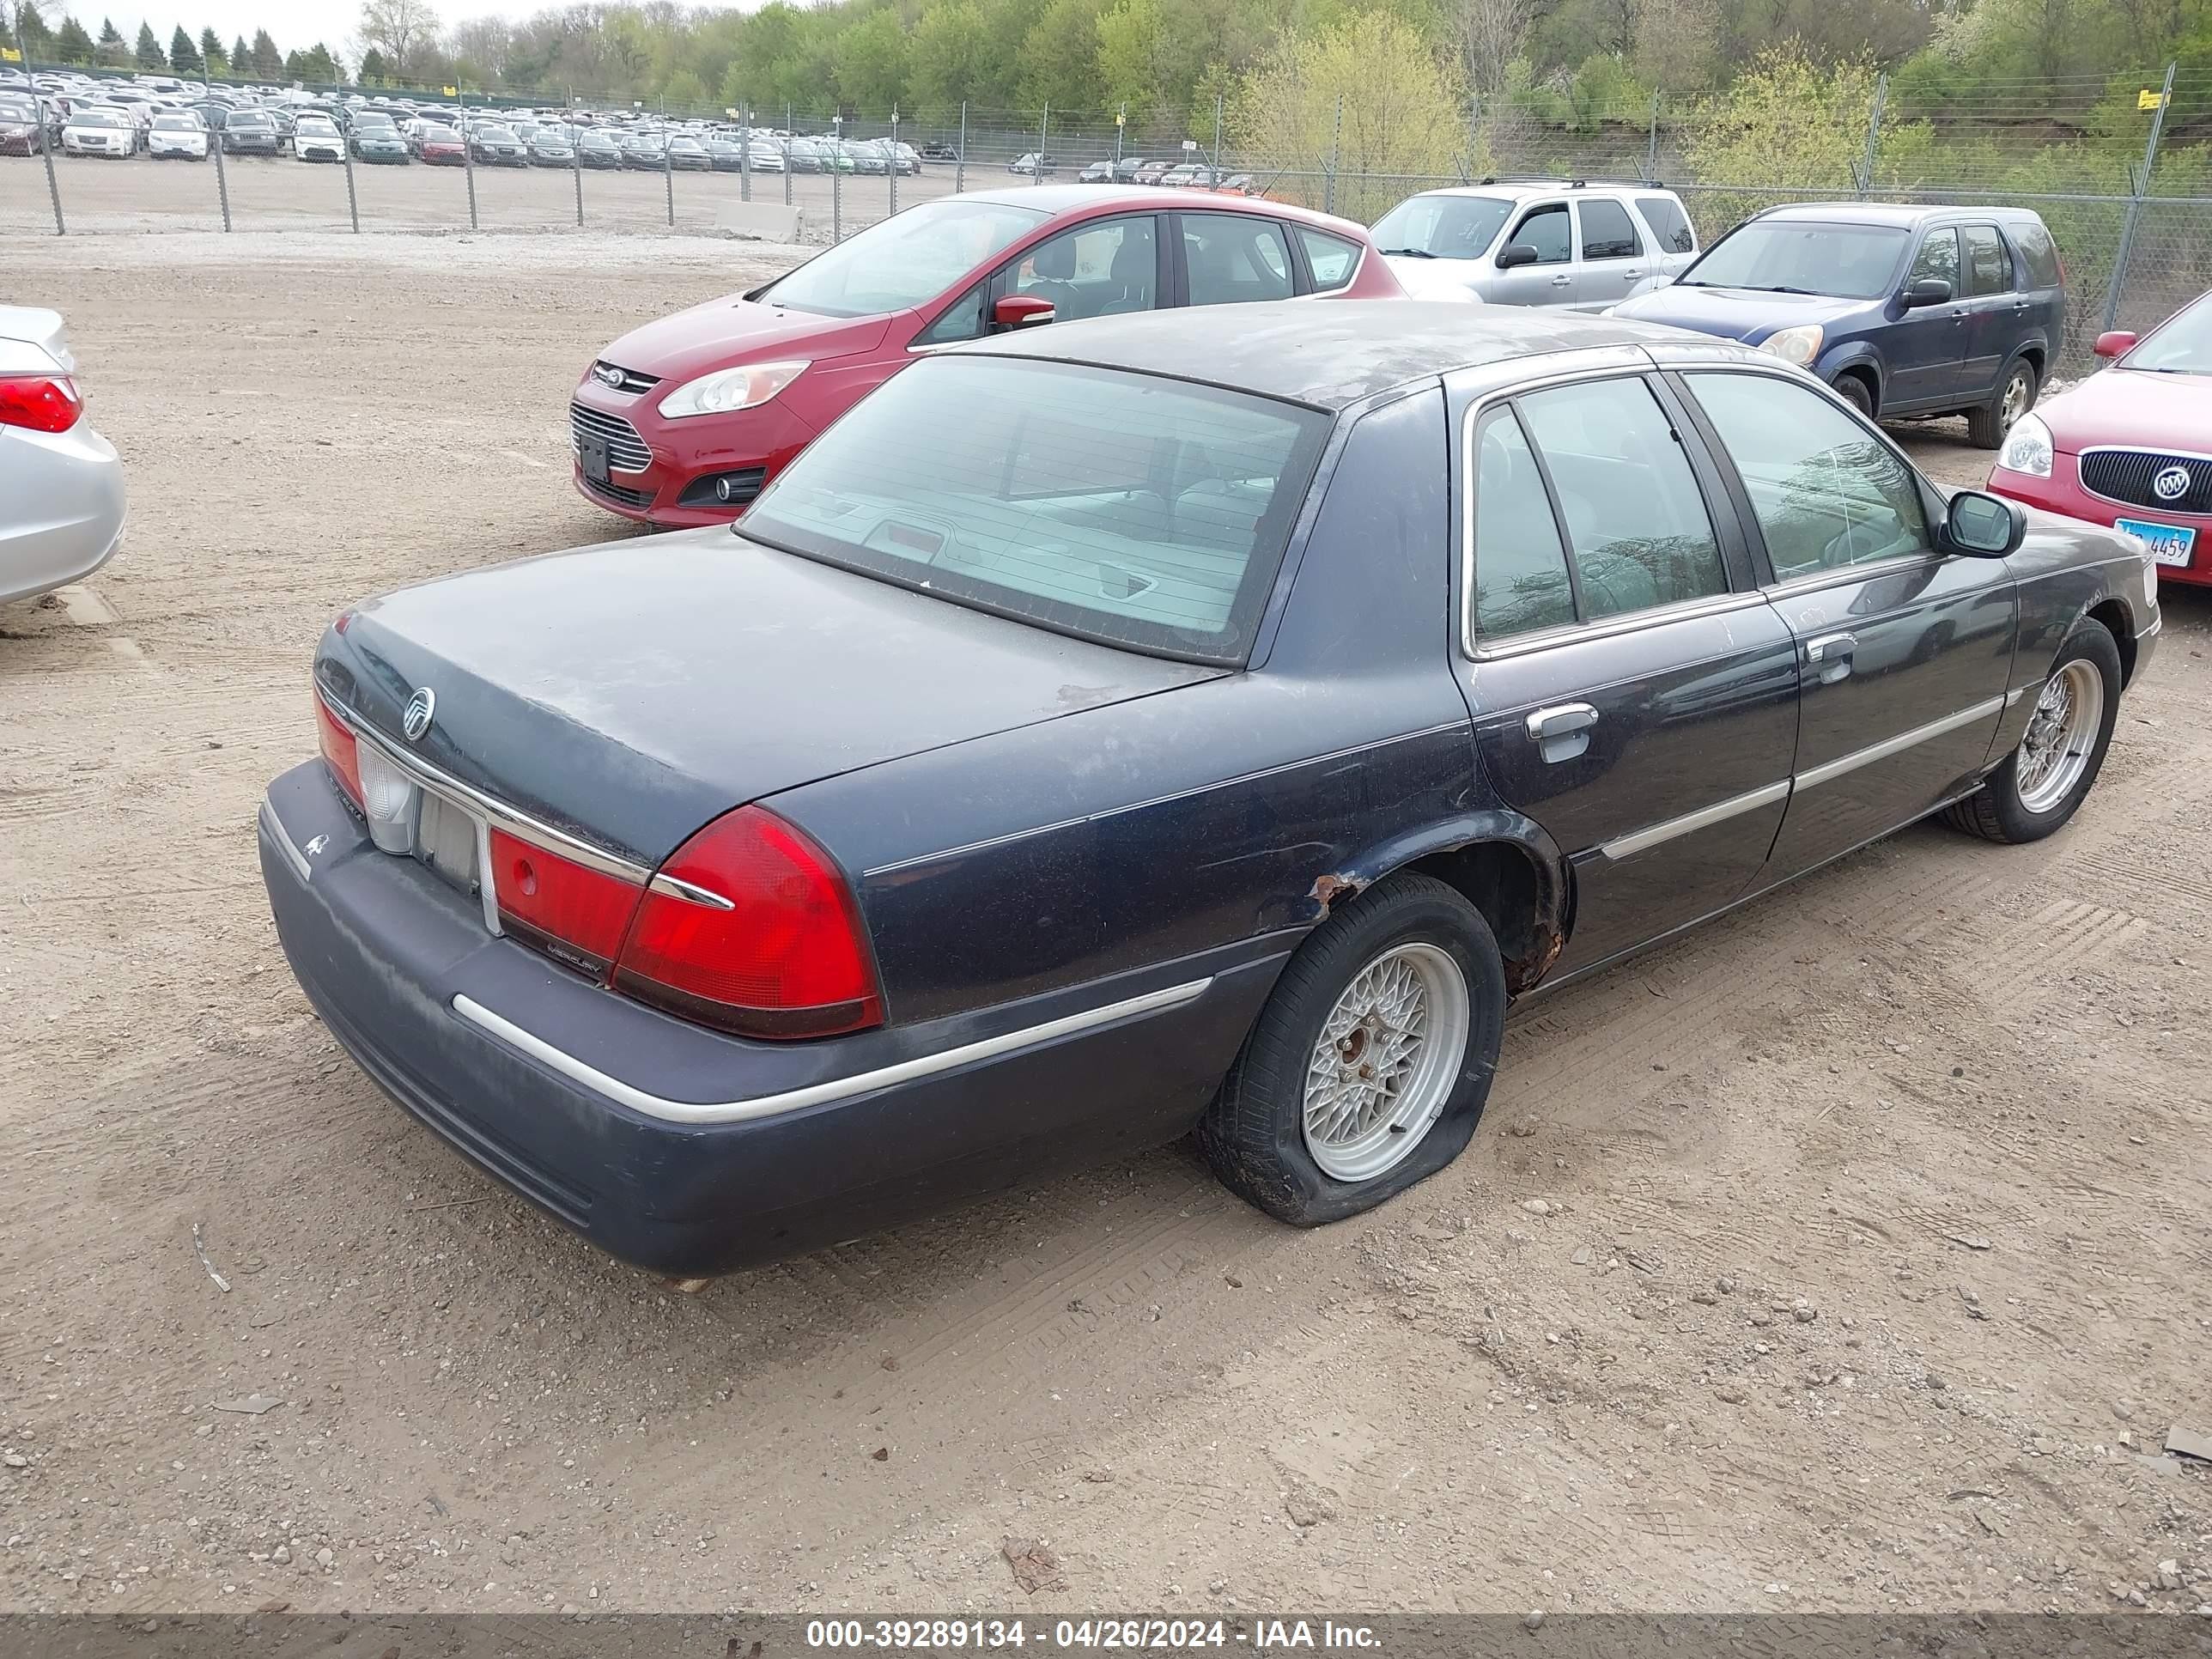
2124, 183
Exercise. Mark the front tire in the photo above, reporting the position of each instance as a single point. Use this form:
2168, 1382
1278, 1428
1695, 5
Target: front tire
1854, 391
1368, 1069
2043, 782
1986, 426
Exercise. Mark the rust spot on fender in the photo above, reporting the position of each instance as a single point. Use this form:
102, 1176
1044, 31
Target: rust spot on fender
1326, 890
1523, 971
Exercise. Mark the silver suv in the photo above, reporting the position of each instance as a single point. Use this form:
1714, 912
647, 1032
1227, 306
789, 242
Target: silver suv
1585, 244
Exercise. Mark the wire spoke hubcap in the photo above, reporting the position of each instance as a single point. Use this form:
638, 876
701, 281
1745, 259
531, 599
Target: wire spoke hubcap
1386, 1061
2061, 733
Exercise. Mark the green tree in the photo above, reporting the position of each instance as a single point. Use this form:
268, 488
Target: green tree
869, 60
685, 91
1401, 105
71, 44
184, 56
212, 54
37, 38
240, 57
952, 54
268, 62
113, 51
1136, 56
1053, 65
149, 50
317, 65
373, 71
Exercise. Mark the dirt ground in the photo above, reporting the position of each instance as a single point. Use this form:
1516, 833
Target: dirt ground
1850, 1254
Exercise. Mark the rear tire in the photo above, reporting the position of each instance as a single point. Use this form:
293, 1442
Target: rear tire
1987, 425
1368, 1069
2041, 783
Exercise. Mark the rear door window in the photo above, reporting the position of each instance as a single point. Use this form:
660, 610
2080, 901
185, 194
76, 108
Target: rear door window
1668, 223
1637, 527
1232, 257
1521, 581
2038, 254
1607, 231
1988, 269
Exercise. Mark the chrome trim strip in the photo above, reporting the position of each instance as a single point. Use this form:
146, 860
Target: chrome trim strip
820, 1094
293, 855
1703, 818
1821, 580
688, 892
514, 823
1718, 605
1897, 744
2136, 449
2020, 691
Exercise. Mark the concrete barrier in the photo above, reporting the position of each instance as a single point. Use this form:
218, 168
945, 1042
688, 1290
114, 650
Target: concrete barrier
759, 222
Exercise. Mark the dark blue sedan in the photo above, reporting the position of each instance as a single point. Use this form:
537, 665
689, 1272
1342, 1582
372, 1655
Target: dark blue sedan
1905, 310
1207, 720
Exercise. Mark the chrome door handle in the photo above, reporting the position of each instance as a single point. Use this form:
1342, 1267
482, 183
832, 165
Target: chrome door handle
1562, 281
1829, 657
1562, 732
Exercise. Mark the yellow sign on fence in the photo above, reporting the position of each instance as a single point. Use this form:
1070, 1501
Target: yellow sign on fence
2148, 100
451, 92
9, 55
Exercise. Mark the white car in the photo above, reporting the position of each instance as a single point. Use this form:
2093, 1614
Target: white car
315, 138
764, 158
177, 134
61, 485
100, 131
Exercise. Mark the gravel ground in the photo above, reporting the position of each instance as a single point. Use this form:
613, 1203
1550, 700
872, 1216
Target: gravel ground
1849, 1255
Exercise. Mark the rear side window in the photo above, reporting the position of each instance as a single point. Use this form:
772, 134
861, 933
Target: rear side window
1938, 258
2038, 254
1332, 259
1607, 231
1636, 527
1521, 581
1235, 257
1988, 270
1545, 230
1668, 223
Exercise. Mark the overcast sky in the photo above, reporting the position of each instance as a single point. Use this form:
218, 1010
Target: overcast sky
290, 23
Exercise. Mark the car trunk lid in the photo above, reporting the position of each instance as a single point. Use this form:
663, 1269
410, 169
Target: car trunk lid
626, 696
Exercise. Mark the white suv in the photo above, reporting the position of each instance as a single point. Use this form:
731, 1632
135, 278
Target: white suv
1585, 244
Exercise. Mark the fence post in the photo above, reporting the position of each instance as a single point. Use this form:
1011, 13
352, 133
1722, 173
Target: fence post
1120, 125
745, 152
576, 156
46, 144
468, 148
1044, 126
959, 155
1874, 134
836, 179
787, 154
345, 150
1216, 179
1335, 159
667, 162
892, 168
1652, 149
214, 143
2118, 286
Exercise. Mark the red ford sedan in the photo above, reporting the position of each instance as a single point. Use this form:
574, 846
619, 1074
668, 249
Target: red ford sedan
2131, 447
682, 421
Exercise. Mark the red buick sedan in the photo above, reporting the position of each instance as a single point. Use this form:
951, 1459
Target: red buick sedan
682, 421
2131, 447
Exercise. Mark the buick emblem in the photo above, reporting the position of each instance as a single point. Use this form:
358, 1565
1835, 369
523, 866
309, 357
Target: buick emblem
606, 375
2171, 485
416, 720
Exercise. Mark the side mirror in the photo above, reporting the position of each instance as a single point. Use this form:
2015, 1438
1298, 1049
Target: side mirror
1982, 526
1021, 311
1928, 291
2115, 342
1515, 255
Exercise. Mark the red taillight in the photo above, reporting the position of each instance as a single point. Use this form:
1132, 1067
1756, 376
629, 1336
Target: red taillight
43, 404
340, 753
788, 959
566, 908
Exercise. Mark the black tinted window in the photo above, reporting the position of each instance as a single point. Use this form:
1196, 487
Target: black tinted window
2038, 255
1664, 215
1637, 525
1607, 231
1520, 565
1545, 230
1988, 269
1234, 257
1938, 258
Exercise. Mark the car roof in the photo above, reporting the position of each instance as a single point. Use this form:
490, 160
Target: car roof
1058, 199
1327, 354
1518, 188
1906, 215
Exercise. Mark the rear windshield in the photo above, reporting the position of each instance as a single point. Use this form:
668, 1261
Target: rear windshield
1120, 507
1441, 226
1790, 255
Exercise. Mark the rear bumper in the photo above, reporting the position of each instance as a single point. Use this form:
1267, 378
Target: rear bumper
857, 1133
2062, 492
73, 483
